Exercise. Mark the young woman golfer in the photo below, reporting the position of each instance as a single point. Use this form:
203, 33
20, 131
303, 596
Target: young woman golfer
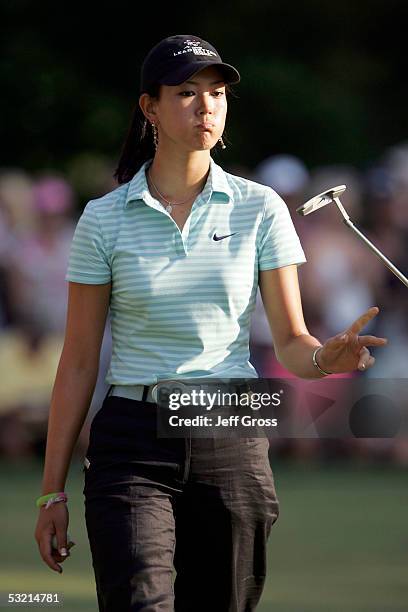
176, 253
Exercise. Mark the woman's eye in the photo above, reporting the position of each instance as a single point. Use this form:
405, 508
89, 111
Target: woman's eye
189, 93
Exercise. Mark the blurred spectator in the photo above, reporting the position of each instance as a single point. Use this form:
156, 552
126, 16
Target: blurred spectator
36, 229
17, 220
386, 193
37, 268
288, 176
396, 162
16, 201
338, 280
28, 363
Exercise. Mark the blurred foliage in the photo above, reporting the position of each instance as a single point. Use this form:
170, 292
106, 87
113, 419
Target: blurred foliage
320, 80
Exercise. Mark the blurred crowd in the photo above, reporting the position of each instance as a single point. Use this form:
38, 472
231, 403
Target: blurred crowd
341, 279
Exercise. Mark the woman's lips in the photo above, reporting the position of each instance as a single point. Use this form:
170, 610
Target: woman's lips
205, 127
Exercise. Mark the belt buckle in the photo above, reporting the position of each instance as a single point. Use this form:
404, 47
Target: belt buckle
176, 384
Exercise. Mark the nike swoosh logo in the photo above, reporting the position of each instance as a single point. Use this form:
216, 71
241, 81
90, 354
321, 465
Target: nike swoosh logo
215, 237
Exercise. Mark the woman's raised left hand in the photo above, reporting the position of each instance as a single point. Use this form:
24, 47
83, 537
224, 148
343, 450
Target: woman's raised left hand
348, 351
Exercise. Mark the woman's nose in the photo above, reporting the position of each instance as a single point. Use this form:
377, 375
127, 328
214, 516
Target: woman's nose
206, 104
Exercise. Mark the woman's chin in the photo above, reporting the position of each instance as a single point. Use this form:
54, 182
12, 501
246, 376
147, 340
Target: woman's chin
205, 141
202, 143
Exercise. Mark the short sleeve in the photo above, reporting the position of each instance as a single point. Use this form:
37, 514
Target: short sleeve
88, 262
278, 242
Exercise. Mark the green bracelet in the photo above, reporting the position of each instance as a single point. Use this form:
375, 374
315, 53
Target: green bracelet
44, 498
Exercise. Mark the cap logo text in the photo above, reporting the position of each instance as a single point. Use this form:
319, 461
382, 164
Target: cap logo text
194, 46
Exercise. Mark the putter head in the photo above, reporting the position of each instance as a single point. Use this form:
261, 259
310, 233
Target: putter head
320, 200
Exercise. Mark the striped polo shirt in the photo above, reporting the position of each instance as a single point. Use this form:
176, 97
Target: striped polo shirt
181, 301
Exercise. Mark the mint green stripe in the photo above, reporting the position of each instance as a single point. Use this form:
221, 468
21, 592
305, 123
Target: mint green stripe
181, 309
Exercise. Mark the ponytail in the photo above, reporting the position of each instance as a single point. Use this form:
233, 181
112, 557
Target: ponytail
138, 146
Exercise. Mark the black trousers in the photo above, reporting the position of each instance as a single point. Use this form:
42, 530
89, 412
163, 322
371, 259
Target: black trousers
203, 507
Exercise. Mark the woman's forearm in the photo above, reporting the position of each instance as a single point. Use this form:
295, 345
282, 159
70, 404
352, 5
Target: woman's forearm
70, 400
296, 356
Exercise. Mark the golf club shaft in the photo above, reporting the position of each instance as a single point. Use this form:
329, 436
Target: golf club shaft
383, 258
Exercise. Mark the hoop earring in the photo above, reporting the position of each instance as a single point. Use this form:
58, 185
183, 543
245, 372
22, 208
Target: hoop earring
223, 146
155, 135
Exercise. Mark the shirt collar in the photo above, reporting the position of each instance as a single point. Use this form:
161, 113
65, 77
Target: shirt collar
138, 188
217, 183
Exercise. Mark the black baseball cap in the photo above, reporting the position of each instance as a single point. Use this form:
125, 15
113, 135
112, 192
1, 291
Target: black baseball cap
176, 58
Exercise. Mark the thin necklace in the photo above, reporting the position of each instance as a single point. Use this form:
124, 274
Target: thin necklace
169, 206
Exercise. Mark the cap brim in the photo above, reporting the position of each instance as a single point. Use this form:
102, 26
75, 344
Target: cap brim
185, 72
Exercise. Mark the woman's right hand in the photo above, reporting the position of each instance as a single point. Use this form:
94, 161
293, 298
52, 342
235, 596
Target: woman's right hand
53, 520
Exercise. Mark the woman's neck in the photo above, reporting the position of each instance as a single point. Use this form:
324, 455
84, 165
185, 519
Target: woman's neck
177, 175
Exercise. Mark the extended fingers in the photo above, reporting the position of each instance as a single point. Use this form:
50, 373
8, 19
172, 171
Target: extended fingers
371, 341
362, 321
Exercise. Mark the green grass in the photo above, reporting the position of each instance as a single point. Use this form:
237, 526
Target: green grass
340, 544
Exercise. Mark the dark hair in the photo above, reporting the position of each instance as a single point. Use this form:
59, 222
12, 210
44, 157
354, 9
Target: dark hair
138, 146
